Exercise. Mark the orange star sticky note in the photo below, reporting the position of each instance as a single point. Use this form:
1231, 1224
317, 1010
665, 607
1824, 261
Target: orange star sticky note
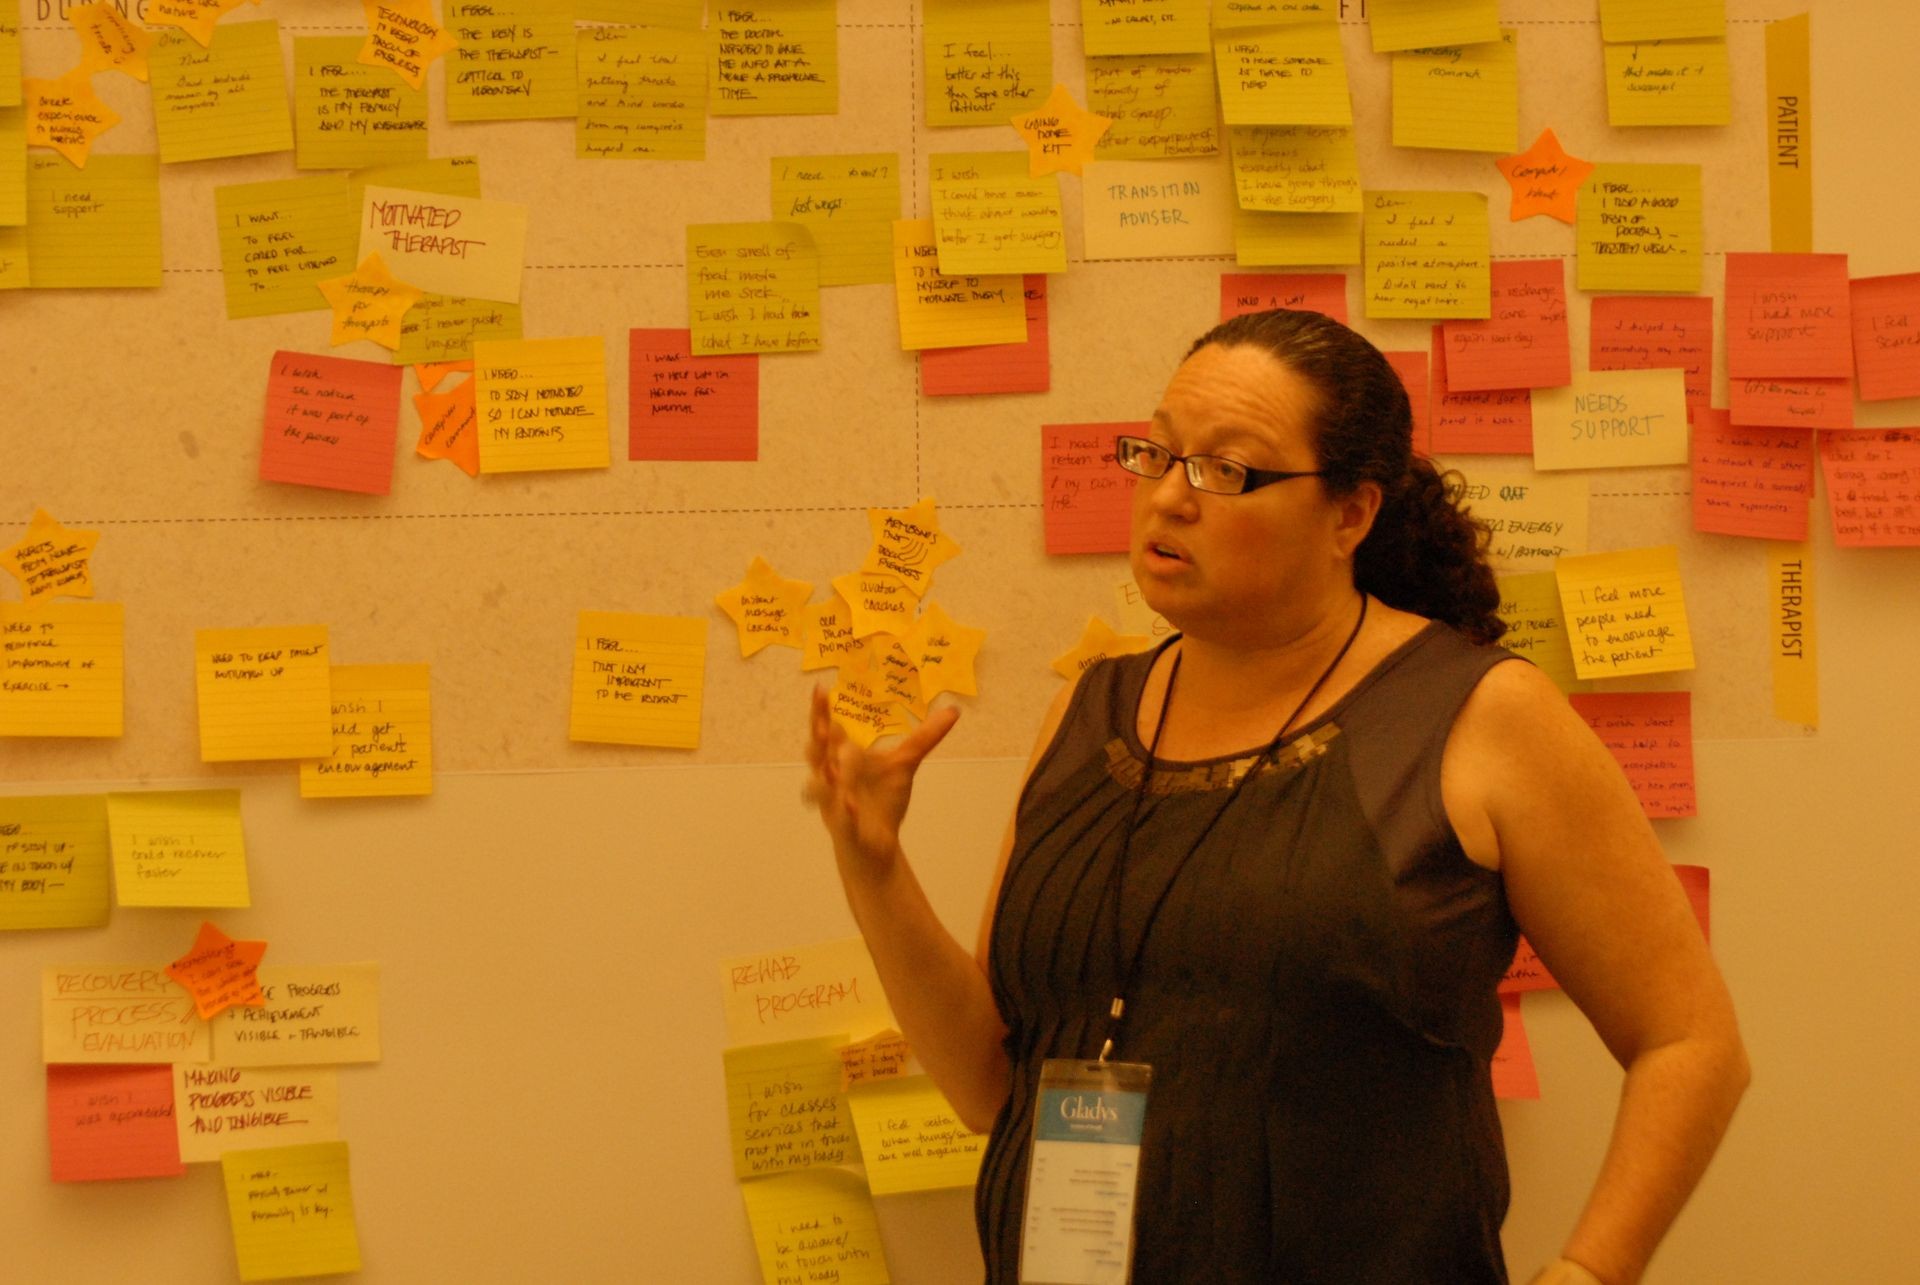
880, 602
402, 34
368, 303
430, 373
220, 972
1060, 134
195, 17
51, 561
1544, 179
1098, 642
109, 40
65, 114
908, 543
448, 427
765, 608
943, 650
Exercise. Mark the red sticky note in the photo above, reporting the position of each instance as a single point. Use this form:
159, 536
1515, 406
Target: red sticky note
1886, 336
1322, 292
1526, 972
995, 368
1791, 403
1525, 343
1697, 883
107, 1121
1873, 486
1750, 481
1086, 498
1513, 1073
220, 972
1788, 315
682, 407
330, 422
1656, 332
1493, 422
1412, 369
1650, 734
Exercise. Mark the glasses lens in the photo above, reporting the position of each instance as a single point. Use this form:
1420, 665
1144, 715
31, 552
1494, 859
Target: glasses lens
1138, 455
1212, 473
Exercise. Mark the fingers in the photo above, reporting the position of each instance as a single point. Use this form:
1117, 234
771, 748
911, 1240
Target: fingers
920, 742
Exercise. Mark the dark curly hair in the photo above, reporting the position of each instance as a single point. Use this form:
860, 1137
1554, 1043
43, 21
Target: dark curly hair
1425, 554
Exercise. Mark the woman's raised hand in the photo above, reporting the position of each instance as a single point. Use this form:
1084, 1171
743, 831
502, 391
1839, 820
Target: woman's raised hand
862, 794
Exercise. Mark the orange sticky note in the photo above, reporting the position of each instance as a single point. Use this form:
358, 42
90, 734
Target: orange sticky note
1412, 369
1524, 343
1513, 1072
110, 41
1788, 314
431, 373
1060, 133
683, 407
1750, 481
1774, 402
1087, 498
403, 35
330, 422
1321, 292
449, 426
1023, 367
1873, 486
1489, 422
1886, 336
1544, 180
220, 972
1650, 734
65, 114
1655, 332
110, 1121
51, 561
368, 303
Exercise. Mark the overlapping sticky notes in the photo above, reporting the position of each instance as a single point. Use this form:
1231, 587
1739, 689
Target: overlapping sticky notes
219, 1108
1262, 238
1462, 97
1661, 19
683, 407
984, 60
280, 239
1650, 734
1514, 1076
879, 602
1543, 179
1229, 14
227, 99
98, 227
382, 735
53, 861
991, 215
1060, 134
1640, 227
1626, 612
313, 1014
909, 543
1294, 75
862, 702
883, 1057
348, 114
1411, 367
817, 1222
827, 640
403, 36
465, 246
263, 693
642, 94
109, 41
1669, 82
1886, 336
1321, 292
178, 848
1531, 518
514, 60
938, 310
1525, 343
291, 1209
1781, 402
66, 114
638, 680
1158, 209
369, 303
682, 15
1873, 486
195, 17
1425, 24
1789, 340
330, 422
1086, 498
111, 1122
803, 992
445, 328
910, 1138
1611, 419
1496, 421
784, 1106
117, 1013
1299, 169
1750, 481
219, 971
941, 652
50, 561
1022, 367
1428, 254
1536, 628
444, 175
1631, 332
752, 287
1098, 642
1161, 106
542, 404
1143, 26
765, 608
779, 58
450, 426
849, 204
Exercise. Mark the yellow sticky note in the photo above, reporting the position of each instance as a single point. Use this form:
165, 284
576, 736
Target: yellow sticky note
642, 94
515, 60
1793, 624
803, 992
444, 176
13, 172
1424, 24
1669, 82
62, 667
778, 58
314, 1014
1136, 616
118, 1013
53, 861
1098, 641
815, 1222
1428, 254
638, 680
984, 60
368, 303
445, 328
382, 735
752, 287
1262, 238
1143, 26
942, 652
1790, 144
1626, 612
178, 848
94, 227
1640, 228
1532, 518
863, 703
1298, 169
991, 215
1161, 105
1530, 604
217, 1109
683, 15
848, 204
1231, 14
10, 59
765, 608
784, 1107
1612, 419
404, 38
909, 543
941, 311
542, 404
882, 603
1662, 19
347, 114
50, 560
1295, 75
195, 17
826, 637
280, 239
263, 693
1463, 97
109, 41
66, 114
457, 245
227, 99
1158, 209
291, 1209
910, 1138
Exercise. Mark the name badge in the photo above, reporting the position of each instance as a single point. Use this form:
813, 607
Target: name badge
1084, 1173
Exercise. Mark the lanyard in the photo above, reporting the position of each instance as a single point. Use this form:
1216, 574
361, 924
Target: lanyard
1125, 969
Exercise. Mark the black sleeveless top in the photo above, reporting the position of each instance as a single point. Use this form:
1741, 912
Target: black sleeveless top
1317, 997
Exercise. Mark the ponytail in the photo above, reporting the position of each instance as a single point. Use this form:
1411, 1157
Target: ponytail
1427, 555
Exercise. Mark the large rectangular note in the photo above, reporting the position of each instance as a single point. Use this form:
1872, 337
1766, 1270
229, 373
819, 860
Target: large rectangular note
1788, 315
62, 667
1611, 419
263, 693
752, 287
683, 407
178, 848
1533, 518
97, 227
774, 58
849, 204
1873, 486
315, 1014
638, 680
111, 1122
330, 422
230, 1108
815, 1223
910, 1138
1640, 227
279, 239
1086, 498
802, 992
542, 404
1161, 105
515, 60
1428, 254
347, 114
1295, 75
226, 99
53, 861
1669, 82
1626, 612
785, 1109
990, 214
464, 246
382, 735
291, 1209
1462, 97
117, 1013
642, 94
1158, 209
1754, 482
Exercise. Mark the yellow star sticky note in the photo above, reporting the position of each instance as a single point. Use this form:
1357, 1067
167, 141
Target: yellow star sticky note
65, 114
403, 35
110, 41
449, 428
765, 608
1544, 179
368, 303
220, 972
943, 650
861, 705
1097, 643
826, 638
51, 561
1060, 134
908, 543
892, 669
195, 17
880, 602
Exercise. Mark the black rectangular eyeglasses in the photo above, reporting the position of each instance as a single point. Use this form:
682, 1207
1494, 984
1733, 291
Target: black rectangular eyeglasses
1212, 473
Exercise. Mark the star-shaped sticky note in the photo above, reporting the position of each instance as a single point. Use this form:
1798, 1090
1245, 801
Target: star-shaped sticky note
765, 608
368, 303
195, 17
1544, 179
1060, 134
65, 114
862, 707
893, 670
430, 373
1097, 643
943, 650
220, 972
52, 561
403, 35
826, 638
110, 41
880, 602
908, 543
449, 428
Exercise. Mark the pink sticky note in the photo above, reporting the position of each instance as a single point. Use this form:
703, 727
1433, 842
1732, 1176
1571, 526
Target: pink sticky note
330, 422
683, 407
1412, 369
1650, 734
995, 368
1791, 403
1750, 481
1526, 972
1525, 343
1656, 332
1087, 499
1788, 315
1697, 883
1886, 336
110, 1121
1494, 422
1873, 486
1322, 292
1513, 1073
